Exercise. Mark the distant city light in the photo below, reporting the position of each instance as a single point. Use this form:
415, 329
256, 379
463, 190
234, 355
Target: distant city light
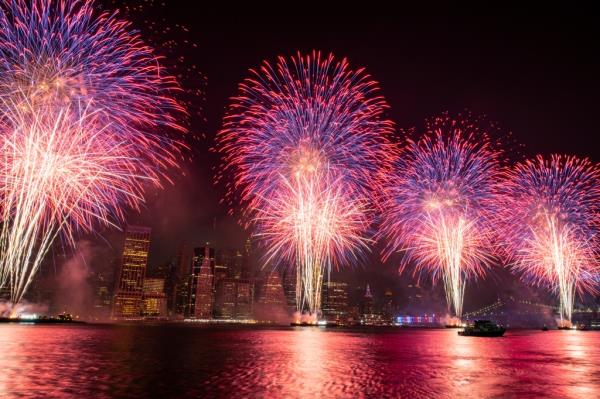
28, 316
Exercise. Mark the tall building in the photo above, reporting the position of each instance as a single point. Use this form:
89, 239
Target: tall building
368, 301
230, 263
233, 299
248, 247
225, 298
221, 266
272, 291
388, 305
244, 299
247, 261
102, 285
289, 287
271, 302
155, 299
129, 291
168, 272
183, 262
201, 283
335, 301
369, 315
238, 265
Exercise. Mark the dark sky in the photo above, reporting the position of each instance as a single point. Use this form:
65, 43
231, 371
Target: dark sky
537, 76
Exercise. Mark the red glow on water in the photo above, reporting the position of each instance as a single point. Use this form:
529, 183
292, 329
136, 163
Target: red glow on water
196, 361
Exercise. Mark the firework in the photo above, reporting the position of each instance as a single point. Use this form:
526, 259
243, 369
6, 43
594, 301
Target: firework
550, 223
60, 175
66, 53
438, 201
307, 221
87, 121
303, 141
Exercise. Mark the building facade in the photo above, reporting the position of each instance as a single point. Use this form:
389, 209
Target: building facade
103, 295
127, 304
183, 262
289, 287
155, 299
244, 299
201, 283
233, 299
335, 301
225, 298
272, 293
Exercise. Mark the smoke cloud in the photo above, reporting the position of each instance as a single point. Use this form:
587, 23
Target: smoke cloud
74, 293
7, 308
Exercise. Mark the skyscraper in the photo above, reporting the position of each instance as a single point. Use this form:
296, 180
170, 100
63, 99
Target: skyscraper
221, 266
289, 287
388, 305
238, 260
183, 263
102, 286
129, 291
201, 283
168, 272
155, 299
225, 298
272, 291
247, 261
244, 299
271, 301
335, 301
368, 302
233, 299
369, 315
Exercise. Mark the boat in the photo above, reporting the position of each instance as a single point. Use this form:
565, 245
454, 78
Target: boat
544, 328
483, 328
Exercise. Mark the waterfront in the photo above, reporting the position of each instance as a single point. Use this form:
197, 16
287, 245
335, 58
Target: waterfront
194, 361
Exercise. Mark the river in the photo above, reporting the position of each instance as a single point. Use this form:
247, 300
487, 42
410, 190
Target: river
181, 360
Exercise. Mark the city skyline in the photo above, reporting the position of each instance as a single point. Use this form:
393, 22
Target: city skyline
96, 269
271, 299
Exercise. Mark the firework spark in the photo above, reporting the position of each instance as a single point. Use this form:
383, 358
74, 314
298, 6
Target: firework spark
551, 219
303, 141
307, 220
87, 121
60, 175
67, 53
438, 201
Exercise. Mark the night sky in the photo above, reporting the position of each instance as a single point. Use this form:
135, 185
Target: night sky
535, 75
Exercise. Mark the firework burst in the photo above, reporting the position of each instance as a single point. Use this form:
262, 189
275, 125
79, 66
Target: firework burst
67, 53
303, 141
87, 121
551, 219
60, 175
438, 202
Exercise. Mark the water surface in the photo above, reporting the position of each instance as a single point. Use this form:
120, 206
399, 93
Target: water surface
181, 360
